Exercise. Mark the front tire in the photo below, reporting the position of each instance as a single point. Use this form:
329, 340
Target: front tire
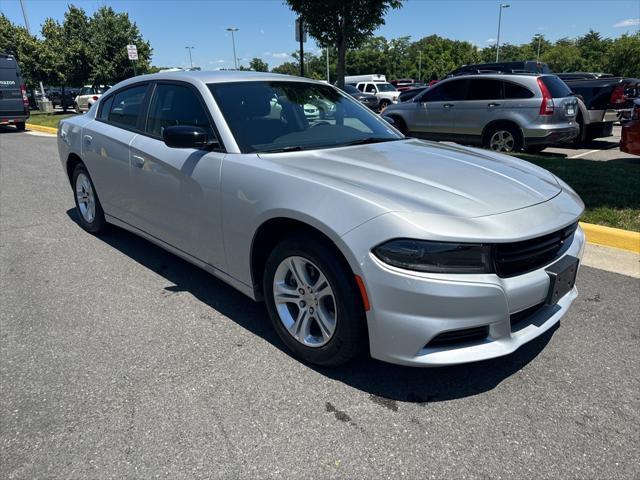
383, 104
313, 301
88, 207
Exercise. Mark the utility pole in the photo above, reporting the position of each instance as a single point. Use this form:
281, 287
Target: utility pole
190, 58
502, 5
233, 41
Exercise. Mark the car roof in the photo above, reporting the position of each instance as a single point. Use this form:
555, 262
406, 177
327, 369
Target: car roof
217, 77
498, 76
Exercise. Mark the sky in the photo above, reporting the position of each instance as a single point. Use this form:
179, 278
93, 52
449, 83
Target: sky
266, 27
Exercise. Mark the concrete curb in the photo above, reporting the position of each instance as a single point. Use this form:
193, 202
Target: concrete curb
40, 128
612, 237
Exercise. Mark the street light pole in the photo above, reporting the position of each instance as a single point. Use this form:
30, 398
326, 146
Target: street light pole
190, 58
502, 5
327, 49
24, 14
233, 41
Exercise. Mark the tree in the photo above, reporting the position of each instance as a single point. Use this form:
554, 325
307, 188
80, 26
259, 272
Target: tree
258, 65
342, 24
109, 35
623, 57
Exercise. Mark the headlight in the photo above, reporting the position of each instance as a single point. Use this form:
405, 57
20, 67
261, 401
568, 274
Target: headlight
436, 257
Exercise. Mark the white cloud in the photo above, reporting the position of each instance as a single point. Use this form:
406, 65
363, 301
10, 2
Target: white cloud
277, 54
220, 61
491, 40
629, 22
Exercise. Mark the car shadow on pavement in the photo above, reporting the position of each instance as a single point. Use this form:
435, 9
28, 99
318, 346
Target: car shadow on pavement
384, 382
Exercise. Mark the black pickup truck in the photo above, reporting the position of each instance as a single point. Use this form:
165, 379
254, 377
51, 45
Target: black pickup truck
603, 99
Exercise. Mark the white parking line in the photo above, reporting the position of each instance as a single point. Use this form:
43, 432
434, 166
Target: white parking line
584, 153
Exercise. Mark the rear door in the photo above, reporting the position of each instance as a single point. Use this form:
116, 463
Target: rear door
482, 104
177, 189
105, 144
11, 101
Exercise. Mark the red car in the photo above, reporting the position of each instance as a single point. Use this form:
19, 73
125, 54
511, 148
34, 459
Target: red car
630, 141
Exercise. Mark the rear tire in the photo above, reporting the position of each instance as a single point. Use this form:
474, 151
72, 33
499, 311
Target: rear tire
503, 138
325, 325
88, 207
21, 126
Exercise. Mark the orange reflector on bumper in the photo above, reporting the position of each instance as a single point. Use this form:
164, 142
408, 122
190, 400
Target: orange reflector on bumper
363, 293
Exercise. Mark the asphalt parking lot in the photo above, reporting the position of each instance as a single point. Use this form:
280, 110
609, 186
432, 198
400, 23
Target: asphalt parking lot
601, 149
119, 360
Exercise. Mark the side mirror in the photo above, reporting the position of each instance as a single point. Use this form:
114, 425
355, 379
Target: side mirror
389, 120
185, 136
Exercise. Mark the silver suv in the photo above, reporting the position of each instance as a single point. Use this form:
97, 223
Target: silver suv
502, 112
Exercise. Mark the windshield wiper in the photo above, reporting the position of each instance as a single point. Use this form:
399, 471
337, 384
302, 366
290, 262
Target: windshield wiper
290, 148
367, 140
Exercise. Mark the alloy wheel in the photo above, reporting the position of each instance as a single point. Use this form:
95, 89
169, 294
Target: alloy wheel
502, 141
86, 198
305, 301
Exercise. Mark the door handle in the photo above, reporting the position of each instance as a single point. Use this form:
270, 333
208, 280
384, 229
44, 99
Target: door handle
448, 105
138, 161
491, 105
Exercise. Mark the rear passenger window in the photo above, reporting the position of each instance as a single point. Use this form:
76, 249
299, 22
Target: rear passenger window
513, 90
125, 107
176, 105
484, 89
106, 108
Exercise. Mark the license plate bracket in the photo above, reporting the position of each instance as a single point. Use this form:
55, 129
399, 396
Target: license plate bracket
562, 278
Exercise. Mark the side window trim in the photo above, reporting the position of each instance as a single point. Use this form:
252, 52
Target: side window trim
104, 99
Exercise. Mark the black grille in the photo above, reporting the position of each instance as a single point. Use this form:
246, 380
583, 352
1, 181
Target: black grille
521, 257
459, 336
518, 317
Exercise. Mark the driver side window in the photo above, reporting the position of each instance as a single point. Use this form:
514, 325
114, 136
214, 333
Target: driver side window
173, 104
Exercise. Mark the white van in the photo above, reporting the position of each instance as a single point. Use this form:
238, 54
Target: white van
376, 85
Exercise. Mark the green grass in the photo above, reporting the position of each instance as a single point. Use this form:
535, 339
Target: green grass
48, 119
610, 190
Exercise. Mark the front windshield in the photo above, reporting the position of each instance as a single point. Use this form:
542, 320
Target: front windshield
385, 87
273, 116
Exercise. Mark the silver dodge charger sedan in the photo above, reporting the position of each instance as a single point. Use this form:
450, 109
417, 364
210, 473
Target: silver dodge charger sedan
354, 236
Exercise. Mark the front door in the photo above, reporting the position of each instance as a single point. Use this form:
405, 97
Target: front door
437, 115
177, 189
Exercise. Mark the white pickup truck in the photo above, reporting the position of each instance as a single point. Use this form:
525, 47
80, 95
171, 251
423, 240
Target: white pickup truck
376, 85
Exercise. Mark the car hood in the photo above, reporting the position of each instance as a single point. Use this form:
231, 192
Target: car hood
420, 176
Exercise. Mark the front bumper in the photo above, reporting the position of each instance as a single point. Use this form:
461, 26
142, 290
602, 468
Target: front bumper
409, 309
